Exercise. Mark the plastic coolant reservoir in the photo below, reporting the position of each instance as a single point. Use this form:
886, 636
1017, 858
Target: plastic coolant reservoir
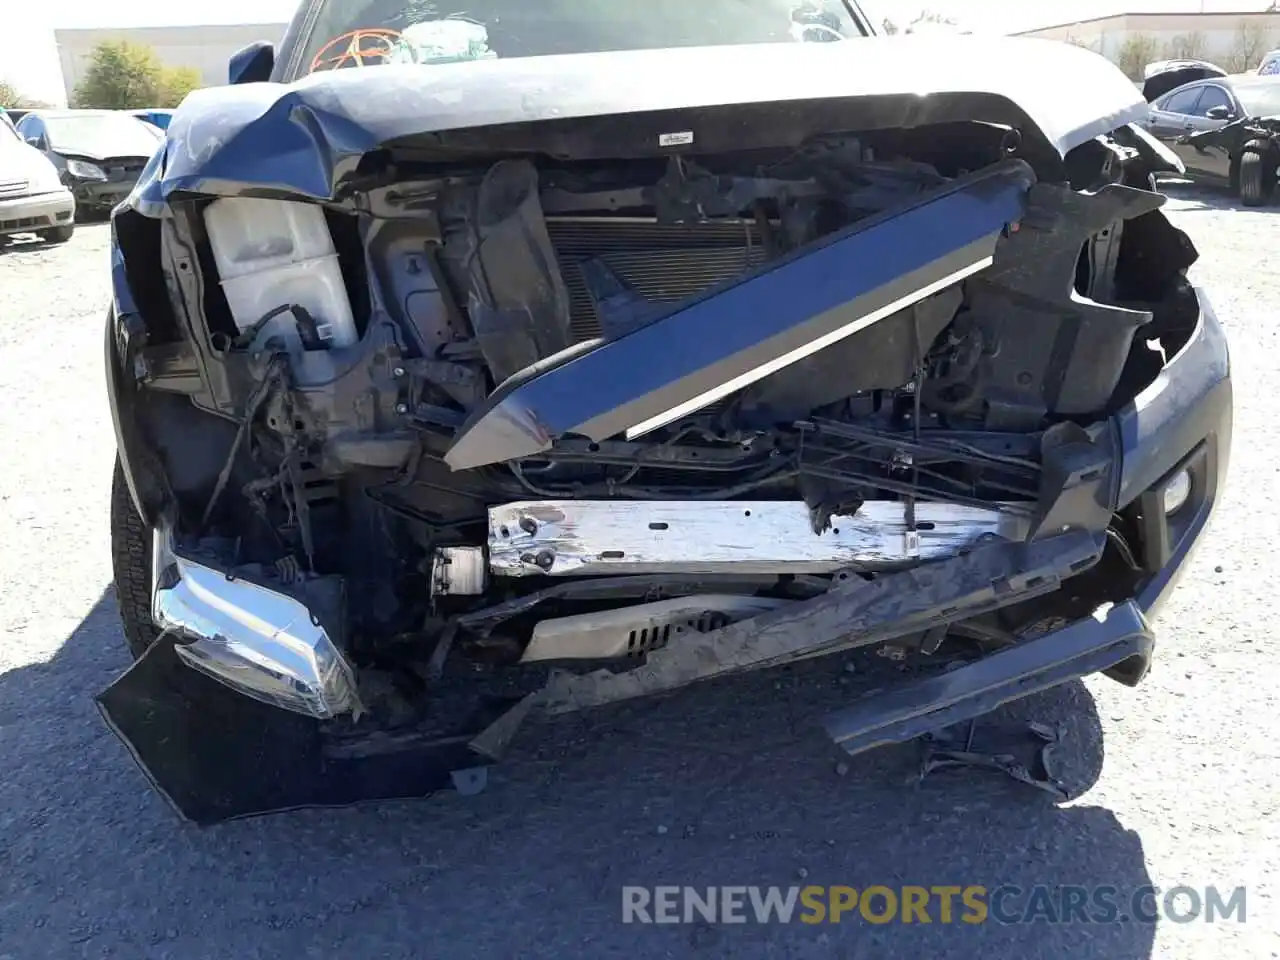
274, 253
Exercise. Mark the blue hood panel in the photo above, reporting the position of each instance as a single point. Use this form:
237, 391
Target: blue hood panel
305, 138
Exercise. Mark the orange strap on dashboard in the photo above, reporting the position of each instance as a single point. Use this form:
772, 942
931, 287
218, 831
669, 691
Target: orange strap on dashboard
357, 48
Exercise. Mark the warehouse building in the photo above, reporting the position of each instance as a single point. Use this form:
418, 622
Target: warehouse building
1236, 41
206, 49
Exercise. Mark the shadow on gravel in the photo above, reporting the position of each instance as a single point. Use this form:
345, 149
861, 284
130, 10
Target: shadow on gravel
728, 785
1193, 197
30, 243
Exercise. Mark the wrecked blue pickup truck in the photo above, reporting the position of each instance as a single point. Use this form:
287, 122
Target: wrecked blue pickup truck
465, 369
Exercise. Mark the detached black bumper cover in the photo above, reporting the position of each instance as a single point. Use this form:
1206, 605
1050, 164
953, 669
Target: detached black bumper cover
1079, 650
216, 755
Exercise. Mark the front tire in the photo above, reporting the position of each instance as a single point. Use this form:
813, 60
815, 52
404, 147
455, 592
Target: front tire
58, 234
1257, 177
131, 566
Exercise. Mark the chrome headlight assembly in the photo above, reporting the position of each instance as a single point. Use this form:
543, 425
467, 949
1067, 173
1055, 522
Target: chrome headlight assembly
84, 170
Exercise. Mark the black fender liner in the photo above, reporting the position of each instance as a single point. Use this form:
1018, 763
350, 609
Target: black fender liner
146, 481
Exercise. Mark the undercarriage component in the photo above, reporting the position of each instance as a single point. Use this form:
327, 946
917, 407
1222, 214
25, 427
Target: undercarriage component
459, 572
581, 537
857, 613
632, 631
729, 338
1026, 756
612, 589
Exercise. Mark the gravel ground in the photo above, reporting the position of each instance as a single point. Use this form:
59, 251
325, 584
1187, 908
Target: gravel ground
728, 786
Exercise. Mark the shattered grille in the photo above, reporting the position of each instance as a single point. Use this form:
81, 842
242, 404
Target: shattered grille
662, 262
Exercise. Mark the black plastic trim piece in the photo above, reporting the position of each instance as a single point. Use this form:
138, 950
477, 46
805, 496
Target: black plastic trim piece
1084, 647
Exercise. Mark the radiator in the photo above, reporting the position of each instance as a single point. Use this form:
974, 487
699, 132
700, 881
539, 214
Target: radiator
662, 262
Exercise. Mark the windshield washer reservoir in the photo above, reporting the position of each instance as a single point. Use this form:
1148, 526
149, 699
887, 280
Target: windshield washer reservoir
276, 253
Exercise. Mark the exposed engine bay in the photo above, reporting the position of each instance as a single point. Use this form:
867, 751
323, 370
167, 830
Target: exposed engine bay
523, 410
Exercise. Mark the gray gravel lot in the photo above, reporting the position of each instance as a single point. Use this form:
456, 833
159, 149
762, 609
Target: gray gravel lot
729, 785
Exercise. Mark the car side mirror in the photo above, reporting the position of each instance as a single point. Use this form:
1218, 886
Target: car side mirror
252, 64
1218, 113
36, 142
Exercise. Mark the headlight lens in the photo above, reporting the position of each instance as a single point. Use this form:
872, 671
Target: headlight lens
83, 170
1177, 492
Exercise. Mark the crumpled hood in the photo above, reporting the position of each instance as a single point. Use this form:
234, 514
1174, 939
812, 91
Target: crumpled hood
304, 138
96, 156
97, 145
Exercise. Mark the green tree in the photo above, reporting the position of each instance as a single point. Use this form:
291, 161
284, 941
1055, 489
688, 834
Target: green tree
175, 84
129, 76
11, 96
1138, 50
8, 94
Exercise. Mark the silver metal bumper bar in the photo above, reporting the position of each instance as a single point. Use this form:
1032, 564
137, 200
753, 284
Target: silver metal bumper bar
582, 537
259, 642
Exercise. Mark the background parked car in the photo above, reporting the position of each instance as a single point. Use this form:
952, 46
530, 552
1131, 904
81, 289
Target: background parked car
1208, 123
1164, 75
32, 197
155, 117
1270, 65
99, 153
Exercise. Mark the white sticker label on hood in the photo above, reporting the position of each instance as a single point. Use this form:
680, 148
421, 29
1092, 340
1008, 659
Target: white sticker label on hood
683, 138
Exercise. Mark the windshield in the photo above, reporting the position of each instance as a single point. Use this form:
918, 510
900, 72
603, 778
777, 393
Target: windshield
354, 33
100, 134
1262, 100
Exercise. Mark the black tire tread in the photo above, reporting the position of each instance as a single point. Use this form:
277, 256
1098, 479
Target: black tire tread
131, 566
1257, 178
58, 234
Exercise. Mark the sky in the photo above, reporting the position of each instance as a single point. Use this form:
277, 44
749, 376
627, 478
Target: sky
32, 64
